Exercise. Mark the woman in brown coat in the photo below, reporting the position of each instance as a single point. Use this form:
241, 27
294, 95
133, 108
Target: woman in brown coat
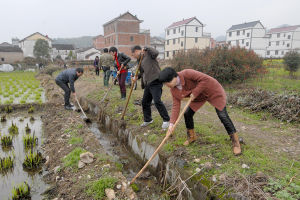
201, 88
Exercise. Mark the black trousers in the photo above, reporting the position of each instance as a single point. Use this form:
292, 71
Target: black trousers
223, 116
66, 89
154, 91
97, 70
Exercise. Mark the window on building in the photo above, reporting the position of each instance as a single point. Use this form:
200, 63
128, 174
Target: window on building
182, 33
287, 45
277, 43
196, 40
229, 42
167, 42
237, 43
282, 52
174, 31
230, 34
173, 53
131, 38
268, 52
182, 44
167, 54
289, 36
244, 32
284, 35
283, 43
270, 44
243, 41
178, 40
178, 30
247, 43
2, 59
174, 41
276, 52
196, 29
248, 34
238, 33
278, 35
168, 32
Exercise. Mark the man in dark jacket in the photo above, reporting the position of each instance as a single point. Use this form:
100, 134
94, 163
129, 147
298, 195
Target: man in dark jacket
66, 77
150, 71
121, 61
96, 65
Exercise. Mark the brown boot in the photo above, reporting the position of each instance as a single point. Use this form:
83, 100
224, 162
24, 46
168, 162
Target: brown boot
191, 137
236, 147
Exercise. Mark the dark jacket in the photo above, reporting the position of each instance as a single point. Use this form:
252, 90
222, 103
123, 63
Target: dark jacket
96, 62
150, 69
68, 76
123, 59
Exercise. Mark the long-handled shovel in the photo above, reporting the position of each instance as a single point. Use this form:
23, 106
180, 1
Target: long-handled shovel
112, 82
132, 86
163, 142
85, 118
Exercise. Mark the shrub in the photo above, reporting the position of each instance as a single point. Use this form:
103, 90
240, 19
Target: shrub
292, 61
223, 63
97, 188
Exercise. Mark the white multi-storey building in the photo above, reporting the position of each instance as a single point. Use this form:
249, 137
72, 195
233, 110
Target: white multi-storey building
283, 40
251, 36
184, 35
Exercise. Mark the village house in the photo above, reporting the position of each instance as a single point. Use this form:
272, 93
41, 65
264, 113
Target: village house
184, 35
88, 53
124, 32
250, 35
98, 42
10, 54
27, 44
63, 51
158, 43
283, 40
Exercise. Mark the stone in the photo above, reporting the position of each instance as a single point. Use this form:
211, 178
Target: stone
79, 177
132, 196
198, 170
208, 165
106, 166
197, 160
47, 160
244, 166
56, 169
81, 164
87, 157
110, 194
124, 186
89, 176
222, 177
57, 178
119, 187
214, 178
218, 165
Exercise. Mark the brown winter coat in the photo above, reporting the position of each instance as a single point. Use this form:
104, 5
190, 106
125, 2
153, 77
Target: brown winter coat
204, 88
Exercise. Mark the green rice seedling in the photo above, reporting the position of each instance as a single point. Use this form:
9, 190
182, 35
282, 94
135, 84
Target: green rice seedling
23, 101
6, 95
6, 141
21, 192
33, 160
3, 118
6, 163
27, 129
30, 141
8, 109
21, 119
17, 95
31, 109
13, 129
31, 118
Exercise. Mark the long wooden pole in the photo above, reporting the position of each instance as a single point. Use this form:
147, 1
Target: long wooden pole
163, 142
132, 86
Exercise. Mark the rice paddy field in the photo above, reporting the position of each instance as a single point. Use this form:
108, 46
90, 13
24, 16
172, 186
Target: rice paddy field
20, 88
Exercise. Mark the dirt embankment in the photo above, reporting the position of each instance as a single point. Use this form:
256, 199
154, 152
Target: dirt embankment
65, 132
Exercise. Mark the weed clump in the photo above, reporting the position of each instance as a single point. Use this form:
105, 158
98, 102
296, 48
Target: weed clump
33, 160
31, 119
6, 141
8, 109
31, 109
6, 164
21, 192
27, 129
3, 118
30, 141
97, 188
13, 129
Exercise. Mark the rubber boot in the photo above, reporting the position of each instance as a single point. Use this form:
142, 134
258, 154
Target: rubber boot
236, 147
191, 137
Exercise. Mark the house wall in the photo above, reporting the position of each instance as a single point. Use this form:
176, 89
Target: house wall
28, 45
10, 57
99, 42
81, 55
92, 57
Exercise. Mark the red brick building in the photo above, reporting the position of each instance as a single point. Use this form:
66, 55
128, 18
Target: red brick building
98, 42
124, 32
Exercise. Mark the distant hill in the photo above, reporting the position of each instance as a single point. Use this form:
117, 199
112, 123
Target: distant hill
220, 38
283, 25
79, 42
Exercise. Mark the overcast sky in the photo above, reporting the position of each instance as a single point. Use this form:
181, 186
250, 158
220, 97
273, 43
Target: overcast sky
73, 18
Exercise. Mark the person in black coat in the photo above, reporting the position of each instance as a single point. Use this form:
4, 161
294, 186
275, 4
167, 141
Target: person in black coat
66, 77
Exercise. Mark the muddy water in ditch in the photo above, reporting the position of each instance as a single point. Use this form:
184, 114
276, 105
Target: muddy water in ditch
148, 185
18, 175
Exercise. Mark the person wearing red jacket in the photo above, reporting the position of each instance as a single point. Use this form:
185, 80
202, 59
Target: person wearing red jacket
121, 61
201, 88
